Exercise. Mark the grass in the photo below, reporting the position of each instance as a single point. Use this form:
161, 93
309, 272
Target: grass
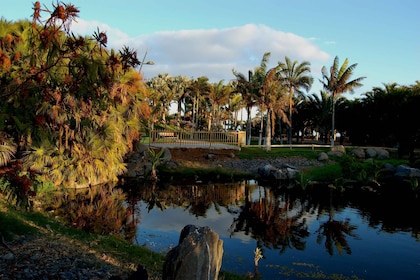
16, 223
258, 152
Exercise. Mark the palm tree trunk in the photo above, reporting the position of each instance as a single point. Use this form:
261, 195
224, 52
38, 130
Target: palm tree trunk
261, 129
333, 122
289, 136
268, 131
248, 126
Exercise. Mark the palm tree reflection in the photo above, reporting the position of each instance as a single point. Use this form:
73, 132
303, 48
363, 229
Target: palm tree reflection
275, 221
335, 233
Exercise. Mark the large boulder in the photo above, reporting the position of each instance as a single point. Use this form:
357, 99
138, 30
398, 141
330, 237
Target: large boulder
338, 149
404, 171
358, 153
322, 156
284, 172
198, 255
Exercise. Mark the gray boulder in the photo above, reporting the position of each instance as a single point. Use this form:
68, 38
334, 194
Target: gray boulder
382, 153
405, 171
371, 153
284, 172
358, 153
322, 156
198, 255
338, 148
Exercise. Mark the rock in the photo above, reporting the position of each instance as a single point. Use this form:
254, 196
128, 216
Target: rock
405, 171
322, 156
166, 156
382, 153
198, 255
285, 172
358, 153
8, 257
370, 153
339, 148
210, 156
335, 153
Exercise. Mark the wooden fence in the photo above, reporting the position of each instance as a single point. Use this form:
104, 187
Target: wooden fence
207, 138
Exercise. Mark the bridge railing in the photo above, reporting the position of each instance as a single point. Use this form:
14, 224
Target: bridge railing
235, 138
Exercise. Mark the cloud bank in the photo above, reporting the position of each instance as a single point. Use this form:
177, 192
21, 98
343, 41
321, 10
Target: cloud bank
211, 52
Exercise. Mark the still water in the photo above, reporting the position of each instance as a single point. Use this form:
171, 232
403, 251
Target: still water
322, 234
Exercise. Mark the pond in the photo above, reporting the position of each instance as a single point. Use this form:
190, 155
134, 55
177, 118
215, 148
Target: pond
320, 233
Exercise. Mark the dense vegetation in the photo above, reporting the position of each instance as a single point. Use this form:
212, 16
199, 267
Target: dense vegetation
70, 108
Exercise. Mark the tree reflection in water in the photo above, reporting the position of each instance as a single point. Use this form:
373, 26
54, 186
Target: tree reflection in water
278, 219
271, 221
335, 232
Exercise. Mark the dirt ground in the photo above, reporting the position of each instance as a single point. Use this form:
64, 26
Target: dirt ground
200, 154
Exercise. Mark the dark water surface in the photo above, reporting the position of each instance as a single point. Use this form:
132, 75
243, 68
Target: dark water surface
322, 234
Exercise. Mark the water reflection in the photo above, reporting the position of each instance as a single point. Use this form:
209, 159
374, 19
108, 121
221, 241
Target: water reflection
272, 220
297, 231
335, 232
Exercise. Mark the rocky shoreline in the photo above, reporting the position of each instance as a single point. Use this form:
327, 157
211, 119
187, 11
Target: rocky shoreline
252, 165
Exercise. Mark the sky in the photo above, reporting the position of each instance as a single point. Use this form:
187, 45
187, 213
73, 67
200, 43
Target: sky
198, 38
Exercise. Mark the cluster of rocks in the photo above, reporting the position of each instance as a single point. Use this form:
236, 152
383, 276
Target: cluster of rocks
254, 165
400, 172
358, 153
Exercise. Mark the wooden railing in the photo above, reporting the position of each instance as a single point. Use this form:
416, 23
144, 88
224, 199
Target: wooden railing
236, 138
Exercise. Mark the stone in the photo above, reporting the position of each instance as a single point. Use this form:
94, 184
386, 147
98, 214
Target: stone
8, 257
371, 153
335, 153
405, 171
198, 255
339, 148
382, 153
166, 156
322, 156
358, 153
285, 172
210, 156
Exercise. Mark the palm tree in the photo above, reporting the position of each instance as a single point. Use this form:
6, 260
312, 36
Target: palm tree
295, 77
251, 90
179, 85
217, 97
320, 108
337, 81
198, 89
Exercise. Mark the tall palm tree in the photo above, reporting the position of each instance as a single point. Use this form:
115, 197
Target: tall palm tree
320, 106
337, 81
179, 85
295, 77
198, 89
251, 89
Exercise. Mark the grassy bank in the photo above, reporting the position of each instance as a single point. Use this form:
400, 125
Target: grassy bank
107, 249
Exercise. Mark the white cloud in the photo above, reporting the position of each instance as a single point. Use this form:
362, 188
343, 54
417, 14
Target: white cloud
211, 52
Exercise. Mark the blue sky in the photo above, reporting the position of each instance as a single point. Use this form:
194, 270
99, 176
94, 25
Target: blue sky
210, 38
